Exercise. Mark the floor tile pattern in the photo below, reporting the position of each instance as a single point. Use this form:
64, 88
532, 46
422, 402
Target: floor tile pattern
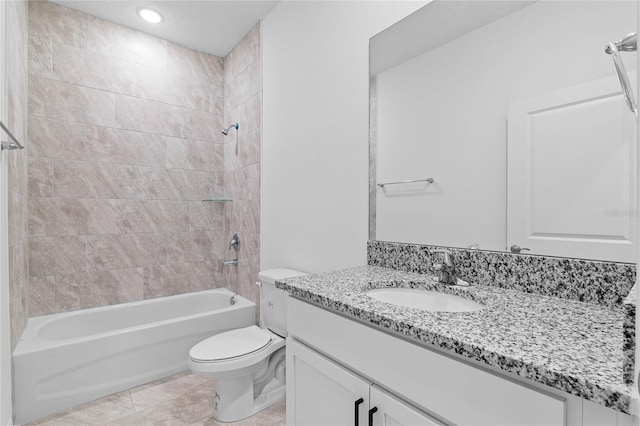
181, 399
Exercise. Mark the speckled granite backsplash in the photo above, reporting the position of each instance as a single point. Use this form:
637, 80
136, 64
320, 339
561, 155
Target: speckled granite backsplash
590, 281
605, 283
629, 330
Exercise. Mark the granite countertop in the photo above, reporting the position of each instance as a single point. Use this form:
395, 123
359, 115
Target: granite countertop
568, 345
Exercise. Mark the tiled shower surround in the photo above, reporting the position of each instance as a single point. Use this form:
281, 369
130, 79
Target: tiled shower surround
243, 105
124, 144
16, 67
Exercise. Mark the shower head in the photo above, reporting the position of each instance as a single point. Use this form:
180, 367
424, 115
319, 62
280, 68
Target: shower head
226, 131
627, 44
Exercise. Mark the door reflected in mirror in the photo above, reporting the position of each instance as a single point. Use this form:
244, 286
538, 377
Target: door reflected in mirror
516, 112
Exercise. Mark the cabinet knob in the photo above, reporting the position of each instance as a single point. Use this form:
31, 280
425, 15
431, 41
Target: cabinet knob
371, 413
357, 411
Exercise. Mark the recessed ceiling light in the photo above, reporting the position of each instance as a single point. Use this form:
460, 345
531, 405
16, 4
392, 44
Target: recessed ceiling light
150, 15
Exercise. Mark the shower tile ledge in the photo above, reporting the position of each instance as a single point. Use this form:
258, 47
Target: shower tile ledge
572, 346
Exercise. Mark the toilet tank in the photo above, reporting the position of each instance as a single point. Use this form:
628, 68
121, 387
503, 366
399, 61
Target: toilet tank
273, 302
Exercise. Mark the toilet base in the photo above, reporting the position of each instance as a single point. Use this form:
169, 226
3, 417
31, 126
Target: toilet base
234, 399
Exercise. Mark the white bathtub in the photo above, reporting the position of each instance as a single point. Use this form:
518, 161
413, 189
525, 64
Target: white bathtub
66, 359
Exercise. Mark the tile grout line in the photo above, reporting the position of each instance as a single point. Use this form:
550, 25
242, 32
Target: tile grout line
132, 403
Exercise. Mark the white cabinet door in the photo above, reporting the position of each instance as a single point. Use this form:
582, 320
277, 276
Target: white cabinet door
390, 411
572, 173
320, 392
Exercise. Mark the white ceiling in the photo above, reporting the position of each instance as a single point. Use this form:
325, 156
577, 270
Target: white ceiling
437, 23
209, 26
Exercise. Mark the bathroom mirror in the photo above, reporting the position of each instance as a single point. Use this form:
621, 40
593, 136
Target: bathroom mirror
516, 112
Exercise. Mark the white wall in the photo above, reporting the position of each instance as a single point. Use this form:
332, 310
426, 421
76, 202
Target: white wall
315, 134
6, 412
443, 115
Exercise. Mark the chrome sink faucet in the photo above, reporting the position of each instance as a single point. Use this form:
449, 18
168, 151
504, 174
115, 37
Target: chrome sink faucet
447, 272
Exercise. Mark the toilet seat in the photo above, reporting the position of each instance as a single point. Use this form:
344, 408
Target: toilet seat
231, 344
205, 363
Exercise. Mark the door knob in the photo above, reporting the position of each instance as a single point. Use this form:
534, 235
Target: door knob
517, 249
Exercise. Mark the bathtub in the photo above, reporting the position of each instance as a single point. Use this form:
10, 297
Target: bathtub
66, 359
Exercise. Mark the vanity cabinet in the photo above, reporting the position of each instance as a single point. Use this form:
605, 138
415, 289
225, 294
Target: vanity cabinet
324, 393
333, 361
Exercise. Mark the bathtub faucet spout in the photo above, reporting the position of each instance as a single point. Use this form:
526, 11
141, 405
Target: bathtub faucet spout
233, 262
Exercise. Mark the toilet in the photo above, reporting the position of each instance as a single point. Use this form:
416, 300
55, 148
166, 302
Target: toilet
248, 363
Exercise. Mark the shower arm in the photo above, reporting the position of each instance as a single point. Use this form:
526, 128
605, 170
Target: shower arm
627, 44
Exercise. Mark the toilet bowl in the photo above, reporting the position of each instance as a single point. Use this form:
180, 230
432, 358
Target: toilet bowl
248, 363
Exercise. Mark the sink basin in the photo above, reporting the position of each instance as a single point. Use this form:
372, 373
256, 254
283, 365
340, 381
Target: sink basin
424, 299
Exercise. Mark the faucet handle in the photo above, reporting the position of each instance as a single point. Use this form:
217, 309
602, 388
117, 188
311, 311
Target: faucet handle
235, 242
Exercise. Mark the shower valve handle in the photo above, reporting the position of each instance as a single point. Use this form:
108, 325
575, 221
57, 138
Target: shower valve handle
235, 242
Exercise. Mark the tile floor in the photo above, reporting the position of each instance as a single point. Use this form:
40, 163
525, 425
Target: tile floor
181, 399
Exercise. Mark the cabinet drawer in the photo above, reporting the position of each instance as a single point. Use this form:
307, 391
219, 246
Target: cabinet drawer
451, 389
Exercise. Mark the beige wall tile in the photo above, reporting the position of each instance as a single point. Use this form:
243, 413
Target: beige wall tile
191, 63
194, 155
40, 56
98, 288
88, 179
216, 98
248, 267
124, 43
106, 252
243, 184
245, 52
47, 19
244, 86
196, 185
232, 160
125, 147
207, 216
42, 295
88, 68
41, 177
243, 216
125, 143
176, 184
242, 160
243, 153
65, 101
56, 139
178, 278
249, 113
197, 246
56, 255
155, 117
152, 216
72, 216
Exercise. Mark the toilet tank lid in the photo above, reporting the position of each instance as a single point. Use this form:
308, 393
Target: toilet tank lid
272, 275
